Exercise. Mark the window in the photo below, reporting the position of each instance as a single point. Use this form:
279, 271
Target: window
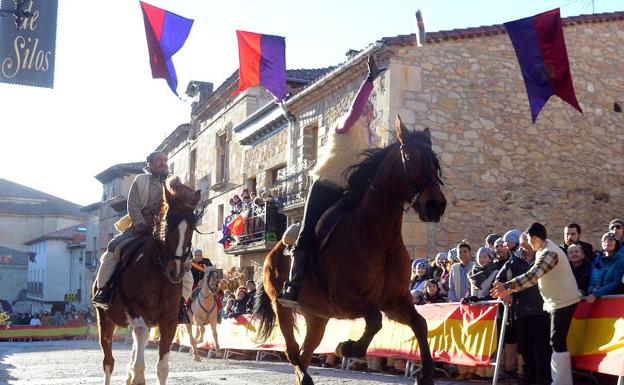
172, 168
251, 184
219, 217
192, 163
310, 141
222, 157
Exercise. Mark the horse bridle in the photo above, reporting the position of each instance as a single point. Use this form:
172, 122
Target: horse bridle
166, 255
405, 160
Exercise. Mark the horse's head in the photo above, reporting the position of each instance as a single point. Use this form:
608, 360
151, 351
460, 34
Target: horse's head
423, 171
210, 279
181, 220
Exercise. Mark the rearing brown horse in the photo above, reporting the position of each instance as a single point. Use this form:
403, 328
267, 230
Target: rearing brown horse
149, 289
364, 268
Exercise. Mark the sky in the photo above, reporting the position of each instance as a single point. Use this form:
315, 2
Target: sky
106, 109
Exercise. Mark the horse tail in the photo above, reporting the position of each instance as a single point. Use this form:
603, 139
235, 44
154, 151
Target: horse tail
263, 311
275, 271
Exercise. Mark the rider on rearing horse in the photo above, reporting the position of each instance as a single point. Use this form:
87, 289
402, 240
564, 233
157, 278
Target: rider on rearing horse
144, 203
351, 136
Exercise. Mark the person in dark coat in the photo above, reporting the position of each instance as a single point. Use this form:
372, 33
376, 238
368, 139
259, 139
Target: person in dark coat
581, 267
531, 322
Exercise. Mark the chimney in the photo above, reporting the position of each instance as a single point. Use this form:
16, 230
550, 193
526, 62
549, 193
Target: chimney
203, 89
420, 36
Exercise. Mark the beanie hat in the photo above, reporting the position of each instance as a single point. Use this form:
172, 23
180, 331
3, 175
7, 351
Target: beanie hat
490, 239
512, 236
616, 222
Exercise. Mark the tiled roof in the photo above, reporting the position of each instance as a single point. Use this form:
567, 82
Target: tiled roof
306, 75
466, 33
71, 233
119, 170
40, 202
17, 257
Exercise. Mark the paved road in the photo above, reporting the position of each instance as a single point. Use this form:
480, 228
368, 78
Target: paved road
80, 362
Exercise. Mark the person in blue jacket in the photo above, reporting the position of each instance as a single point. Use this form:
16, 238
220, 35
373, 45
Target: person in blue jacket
607, 269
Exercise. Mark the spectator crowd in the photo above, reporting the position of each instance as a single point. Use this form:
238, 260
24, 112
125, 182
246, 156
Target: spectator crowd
463, 275
70, 318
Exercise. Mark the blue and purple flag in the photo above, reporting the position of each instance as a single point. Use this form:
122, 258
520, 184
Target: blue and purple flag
262, 61
543, 58
166, 33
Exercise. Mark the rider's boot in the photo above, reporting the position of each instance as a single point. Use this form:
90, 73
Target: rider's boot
104, 294
183, 317
102, 297
322, 195
289, 295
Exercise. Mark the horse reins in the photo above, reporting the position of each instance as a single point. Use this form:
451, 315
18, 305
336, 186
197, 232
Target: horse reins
405, 158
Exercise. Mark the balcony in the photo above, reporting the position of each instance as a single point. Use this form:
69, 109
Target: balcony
291, 186
261, 232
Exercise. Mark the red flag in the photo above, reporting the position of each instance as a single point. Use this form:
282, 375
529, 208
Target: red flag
237, 226
262, 61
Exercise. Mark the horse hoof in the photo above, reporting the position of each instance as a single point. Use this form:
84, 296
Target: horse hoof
305, 380
421, 380
197, 358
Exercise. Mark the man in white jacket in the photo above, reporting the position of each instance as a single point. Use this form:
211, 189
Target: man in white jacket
553, 275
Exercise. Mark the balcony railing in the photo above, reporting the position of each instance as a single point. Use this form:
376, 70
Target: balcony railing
263, 228
292, 184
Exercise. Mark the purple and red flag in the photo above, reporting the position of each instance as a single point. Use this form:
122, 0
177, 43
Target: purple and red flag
262, 61
543, 58
166, 33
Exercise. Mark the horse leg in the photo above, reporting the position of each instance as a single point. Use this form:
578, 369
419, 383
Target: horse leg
350, 348
107, 327
213, 326
405, 313
140, 334
286, 322
315, 329
167, 332
189, 331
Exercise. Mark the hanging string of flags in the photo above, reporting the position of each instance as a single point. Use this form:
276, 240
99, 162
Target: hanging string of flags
537, 40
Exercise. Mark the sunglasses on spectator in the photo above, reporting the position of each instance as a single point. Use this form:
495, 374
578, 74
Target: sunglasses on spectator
616, 227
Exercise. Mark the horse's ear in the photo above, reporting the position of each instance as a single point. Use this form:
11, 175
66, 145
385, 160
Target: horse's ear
173, 182
196, 197
427, 135
401, 130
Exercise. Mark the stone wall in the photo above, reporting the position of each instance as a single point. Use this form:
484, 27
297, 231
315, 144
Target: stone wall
502, 171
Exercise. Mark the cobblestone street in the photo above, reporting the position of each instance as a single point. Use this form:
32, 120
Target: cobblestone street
80, 362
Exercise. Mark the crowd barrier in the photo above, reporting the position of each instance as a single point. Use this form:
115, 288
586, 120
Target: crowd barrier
458, 334
53, 332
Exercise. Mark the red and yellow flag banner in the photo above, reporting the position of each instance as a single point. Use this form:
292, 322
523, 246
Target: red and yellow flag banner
596, 338
458, 334
42, 332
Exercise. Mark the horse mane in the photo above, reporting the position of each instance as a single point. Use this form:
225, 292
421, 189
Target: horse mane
360, 174
175, 206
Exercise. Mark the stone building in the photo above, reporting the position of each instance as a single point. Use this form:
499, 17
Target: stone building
207, 154
116, 181
502, 172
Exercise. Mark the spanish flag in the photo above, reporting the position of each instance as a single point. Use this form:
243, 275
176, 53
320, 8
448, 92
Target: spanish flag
596, 337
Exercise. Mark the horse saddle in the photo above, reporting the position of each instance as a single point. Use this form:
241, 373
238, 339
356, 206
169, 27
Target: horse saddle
332, 218
128, 250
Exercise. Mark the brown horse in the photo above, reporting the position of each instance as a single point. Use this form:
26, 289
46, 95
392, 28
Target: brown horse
205, 311
364, 268
148, 291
